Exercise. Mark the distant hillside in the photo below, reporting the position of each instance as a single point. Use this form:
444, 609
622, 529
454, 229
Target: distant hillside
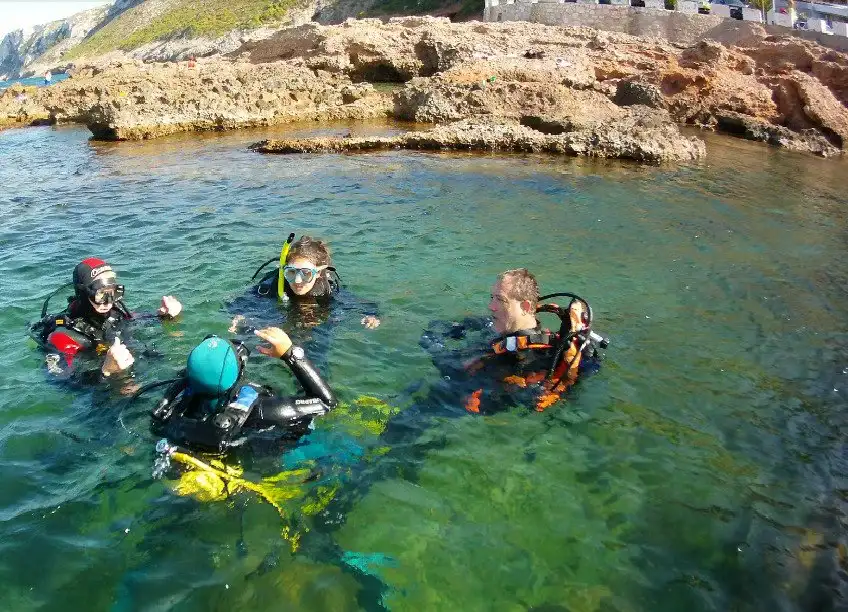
156, 20
130, 24
23, 47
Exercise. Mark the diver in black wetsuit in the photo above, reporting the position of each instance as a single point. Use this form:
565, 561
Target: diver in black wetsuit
510, 359
210, 407
310, 289
91, 324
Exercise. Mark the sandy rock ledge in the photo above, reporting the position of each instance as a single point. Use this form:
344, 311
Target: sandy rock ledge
643, 136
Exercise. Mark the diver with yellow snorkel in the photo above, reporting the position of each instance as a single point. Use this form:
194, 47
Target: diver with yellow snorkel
305, 270
309, 287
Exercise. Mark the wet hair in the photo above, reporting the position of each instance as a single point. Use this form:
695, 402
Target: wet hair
309, 248
520, 284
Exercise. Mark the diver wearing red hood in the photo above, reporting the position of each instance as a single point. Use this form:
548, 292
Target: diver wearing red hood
92, 322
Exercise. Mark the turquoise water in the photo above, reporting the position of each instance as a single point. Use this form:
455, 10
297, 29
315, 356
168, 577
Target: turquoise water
702, 469
38, 81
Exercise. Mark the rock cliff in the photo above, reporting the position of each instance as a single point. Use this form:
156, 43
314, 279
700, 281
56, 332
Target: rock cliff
41, 48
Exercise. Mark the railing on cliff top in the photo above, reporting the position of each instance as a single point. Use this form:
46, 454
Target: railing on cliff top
691, 7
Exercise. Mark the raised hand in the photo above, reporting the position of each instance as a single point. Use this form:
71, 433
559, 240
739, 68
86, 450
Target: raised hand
118, 359
277, 338
170, 308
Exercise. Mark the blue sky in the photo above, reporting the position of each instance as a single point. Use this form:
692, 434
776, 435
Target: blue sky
15, 14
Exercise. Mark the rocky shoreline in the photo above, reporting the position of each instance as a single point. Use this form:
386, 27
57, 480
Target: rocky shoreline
642, 136
486, 86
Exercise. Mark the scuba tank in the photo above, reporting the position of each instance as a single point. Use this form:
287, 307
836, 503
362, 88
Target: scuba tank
580, 335
208, 423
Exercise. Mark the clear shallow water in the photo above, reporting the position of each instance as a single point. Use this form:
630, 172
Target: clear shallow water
702, 469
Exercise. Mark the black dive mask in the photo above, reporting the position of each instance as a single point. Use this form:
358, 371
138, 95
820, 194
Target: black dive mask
105, 295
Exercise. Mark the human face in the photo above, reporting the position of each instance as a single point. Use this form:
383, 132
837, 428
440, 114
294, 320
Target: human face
104, 297
103, 308
300, 286
508, 314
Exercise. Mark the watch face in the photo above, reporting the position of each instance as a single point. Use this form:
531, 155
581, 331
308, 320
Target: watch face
297, 352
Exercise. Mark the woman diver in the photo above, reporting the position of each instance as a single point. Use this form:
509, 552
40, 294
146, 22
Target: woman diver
310, 289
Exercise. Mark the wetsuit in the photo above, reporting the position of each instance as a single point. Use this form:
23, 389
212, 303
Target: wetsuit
485, 374
76, 333
214, 423
310, 320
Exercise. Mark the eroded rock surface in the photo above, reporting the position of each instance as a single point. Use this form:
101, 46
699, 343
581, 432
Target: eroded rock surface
642, 135
784, 91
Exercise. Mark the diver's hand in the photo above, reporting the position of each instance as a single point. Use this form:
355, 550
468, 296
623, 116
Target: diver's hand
370, 322
118, 359
279, 340
170, 308
236, 322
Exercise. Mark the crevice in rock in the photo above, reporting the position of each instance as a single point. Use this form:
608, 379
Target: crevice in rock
101, 131
375, 71
427, 54
545, 126
832, 137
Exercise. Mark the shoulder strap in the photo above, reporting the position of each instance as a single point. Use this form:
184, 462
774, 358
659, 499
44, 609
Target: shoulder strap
534, 340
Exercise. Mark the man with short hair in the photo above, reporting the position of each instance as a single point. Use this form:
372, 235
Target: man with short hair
487, 364
524, 363
514, 298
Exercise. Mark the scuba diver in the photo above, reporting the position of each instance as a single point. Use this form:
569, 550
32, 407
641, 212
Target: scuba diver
211, 408
525, 364
211, 413
91, 324
308, 284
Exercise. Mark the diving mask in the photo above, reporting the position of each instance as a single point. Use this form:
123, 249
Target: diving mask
291, 274
106, 295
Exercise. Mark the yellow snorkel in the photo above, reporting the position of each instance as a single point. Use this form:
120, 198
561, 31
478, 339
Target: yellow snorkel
284, 253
